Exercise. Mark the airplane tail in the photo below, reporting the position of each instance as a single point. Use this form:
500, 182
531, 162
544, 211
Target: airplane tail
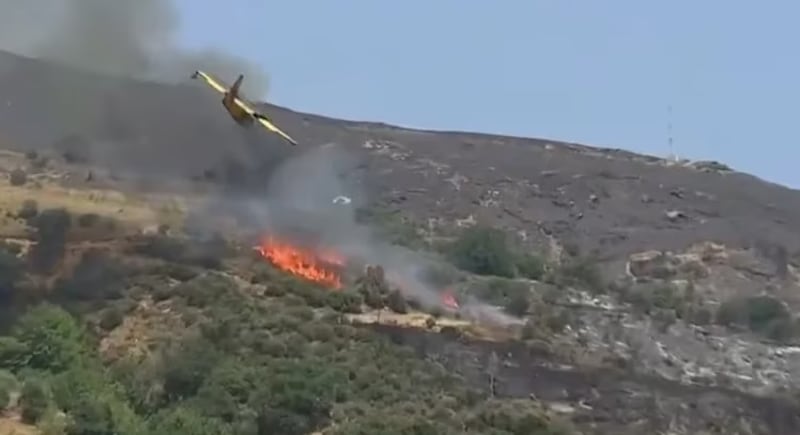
234, 90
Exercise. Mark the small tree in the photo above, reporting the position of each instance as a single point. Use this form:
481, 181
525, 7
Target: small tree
52, 337
33, 400
396, 302
483, 251
90, 416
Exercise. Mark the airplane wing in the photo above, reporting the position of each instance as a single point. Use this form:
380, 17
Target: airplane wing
271, 127
211, 81
261, 118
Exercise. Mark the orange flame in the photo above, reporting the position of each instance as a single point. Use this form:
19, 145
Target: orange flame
316, 267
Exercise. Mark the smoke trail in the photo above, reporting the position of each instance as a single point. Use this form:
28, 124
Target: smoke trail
135, 39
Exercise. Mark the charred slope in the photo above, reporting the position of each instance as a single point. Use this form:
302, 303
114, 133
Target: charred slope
604, 400
612, 201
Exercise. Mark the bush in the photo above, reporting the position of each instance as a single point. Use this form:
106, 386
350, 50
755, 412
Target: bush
11, 270
396, 302
88, 220
97, 277
483, 251
8, 385
33, 400
90, 415
517, 304
28, 210
13, 353
501, 292
762, 314
18, 177
530, 266
52, 337
51, 237
345, 301
582, 272
111, 318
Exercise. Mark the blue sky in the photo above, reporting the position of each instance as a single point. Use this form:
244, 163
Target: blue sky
595, 72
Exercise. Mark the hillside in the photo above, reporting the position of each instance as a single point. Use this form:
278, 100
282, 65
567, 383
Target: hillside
564, 287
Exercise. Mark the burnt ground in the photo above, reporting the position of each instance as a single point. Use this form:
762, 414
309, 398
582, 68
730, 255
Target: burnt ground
603, 401
549, 195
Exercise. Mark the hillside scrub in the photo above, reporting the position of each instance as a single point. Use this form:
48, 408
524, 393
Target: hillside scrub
487, 251
765, 315
279, 363
51, 227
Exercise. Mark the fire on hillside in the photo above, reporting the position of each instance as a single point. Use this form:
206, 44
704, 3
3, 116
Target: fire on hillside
327, 267
319, 266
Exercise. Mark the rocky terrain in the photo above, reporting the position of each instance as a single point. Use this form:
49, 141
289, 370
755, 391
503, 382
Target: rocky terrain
667, 299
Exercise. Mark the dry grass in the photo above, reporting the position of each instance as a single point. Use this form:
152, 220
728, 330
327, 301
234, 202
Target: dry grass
12, 426
148, 324
417, 319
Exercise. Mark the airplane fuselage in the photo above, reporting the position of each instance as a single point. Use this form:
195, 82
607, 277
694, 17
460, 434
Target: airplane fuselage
237, 113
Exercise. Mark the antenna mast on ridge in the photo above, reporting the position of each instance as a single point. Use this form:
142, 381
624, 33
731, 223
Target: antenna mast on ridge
670, 143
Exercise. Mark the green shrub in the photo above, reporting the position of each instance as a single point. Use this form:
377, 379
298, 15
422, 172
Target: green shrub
483, 251
396, 302
762, 314
33, 400
53, 339
345, 301
111, 318
500, 291
530, 266
8, 385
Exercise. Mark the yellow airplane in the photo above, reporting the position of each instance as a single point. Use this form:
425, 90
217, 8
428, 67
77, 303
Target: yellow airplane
242, 112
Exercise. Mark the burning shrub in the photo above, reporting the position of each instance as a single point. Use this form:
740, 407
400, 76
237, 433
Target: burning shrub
316, 266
